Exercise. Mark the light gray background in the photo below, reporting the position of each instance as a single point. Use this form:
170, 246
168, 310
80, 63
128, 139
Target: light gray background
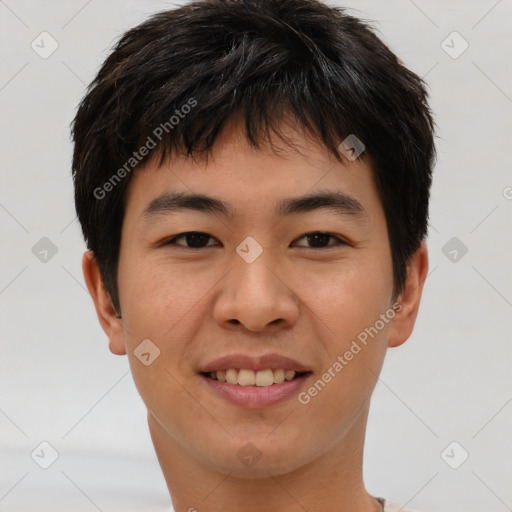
449, 382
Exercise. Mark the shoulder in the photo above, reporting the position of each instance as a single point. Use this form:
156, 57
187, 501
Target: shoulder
391, 506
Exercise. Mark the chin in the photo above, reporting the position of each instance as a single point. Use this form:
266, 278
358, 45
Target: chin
250, 461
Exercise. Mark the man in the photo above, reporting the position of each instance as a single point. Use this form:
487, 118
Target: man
252, 179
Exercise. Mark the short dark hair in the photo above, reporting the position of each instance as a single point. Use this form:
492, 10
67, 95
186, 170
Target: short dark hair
261, 60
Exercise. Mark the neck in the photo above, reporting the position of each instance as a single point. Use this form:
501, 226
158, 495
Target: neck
332, 482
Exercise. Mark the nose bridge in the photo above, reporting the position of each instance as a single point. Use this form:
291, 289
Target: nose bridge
252, 269
254, 293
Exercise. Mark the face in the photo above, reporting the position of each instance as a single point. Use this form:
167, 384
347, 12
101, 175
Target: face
259, 278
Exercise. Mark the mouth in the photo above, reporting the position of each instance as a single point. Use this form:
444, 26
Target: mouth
249, 389
250, 378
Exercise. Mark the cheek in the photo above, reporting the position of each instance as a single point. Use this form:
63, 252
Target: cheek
168, 305
348, 305
155, 297
162, 305
354, 337
350, 297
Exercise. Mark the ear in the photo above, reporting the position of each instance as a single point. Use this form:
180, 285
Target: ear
105, 310
409, 299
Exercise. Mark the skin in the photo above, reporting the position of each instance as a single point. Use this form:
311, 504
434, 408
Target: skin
303, 302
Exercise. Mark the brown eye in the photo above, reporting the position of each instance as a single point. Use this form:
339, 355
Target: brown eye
319, 240
194, 240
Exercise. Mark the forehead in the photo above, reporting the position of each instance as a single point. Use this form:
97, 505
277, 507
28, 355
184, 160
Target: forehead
248, 179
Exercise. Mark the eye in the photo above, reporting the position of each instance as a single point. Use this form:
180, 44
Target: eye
194, 239
198, 240
319, 239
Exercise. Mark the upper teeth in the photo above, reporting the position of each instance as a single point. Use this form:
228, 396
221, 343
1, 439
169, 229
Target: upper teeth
245, 377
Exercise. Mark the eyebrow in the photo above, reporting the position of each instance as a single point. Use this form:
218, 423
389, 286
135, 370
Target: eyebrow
337, 201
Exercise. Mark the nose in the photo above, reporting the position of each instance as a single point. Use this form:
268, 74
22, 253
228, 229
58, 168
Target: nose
256, 295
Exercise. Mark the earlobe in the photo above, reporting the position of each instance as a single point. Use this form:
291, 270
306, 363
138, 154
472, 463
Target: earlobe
410, 298
105, 310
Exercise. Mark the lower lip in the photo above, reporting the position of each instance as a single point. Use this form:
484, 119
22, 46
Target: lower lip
256, 397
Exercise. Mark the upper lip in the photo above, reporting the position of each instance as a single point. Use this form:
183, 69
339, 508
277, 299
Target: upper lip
239, 361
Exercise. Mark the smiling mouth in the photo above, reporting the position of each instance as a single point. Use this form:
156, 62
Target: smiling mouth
250, 378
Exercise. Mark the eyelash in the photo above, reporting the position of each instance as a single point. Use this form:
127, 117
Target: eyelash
172, 241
